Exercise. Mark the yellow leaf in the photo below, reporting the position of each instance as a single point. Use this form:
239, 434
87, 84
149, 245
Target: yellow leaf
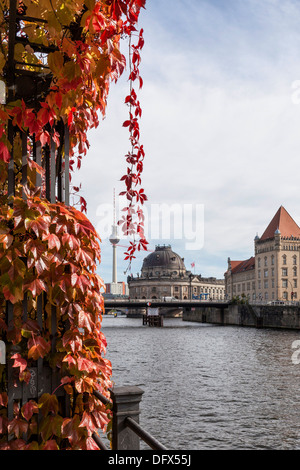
103, 66
71, 70
90, 4
53, 24
19, 51
56, 62
2, 61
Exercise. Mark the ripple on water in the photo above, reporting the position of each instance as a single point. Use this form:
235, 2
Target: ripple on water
210, 387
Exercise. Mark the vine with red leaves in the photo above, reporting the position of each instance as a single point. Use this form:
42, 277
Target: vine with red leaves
50, 251
133, 222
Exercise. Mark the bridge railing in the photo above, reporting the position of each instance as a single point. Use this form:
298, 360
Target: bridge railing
126, 430
174, 301
293, 303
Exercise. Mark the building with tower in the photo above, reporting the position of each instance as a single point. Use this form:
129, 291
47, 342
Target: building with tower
272, 274
164, 275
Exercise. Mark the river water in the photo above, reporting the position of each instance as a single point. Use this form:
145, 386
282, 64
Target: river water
209, 387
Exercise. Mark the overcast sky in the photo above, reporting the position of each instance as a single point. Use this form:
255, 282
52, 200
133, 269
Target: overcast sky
220, 127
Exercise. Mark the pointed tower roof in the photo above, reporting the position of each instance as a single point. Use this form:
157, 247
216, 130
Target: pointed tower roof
284, 223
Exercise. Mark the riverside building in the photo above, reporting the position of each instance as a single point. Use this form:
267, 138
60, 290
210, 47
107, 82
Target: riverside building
164, 275
272, 274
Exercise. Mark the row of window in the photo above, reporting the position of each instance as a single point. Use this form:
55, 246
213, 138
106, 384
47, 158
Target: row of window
284, 259
265, 284
201, 290
285, 296
284, 272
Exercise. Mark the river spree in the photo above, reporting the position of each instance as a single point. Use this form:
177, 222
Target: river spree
207, 386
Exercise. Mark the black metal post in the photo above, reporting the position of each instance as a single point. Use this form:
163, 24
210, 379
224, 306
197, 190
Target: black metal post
67, 165
52, 171
24, 164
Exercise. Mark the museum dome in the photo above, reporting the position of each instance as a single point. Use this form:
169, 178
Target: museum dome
163, 261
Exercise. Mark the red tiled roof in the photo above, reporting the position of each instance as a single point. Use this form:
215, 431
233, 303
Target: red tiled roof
234, 264
240, 266
284, 223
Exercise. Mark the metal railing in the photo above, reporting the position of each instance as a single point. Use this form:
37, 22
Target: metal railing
126, 430
144, 435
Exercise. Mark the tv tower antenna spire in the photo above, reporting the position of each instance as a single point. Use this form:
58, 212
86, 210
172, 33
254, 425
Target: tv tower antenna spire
114, 218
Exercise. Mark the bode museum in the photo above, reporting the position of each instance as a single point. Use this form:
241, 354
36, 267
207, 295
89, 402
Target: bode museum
164, 275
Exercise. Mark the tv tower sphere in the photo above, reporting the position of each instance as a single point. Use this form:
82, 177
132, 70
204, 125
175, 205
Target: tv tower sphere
114, 238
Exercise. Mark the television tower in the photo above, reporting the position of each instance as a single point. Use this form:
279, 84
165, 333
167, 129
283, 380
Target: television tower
114, 240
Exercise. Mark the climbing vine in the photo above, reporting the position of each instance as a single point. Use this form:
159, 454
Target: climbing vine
49, 251
132, 222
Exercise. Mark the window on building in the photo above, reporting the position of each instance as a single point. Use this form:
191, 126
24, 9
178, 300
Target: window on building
273, 295
294, 259
266, 261
266, 295
258, 262
284, 272
266, 273
295, 295
295, 282
273, 283
266, 284
176, 288
284, 259
272, 272
272, 259
259, 284
285, 295
295, 271
258, 274
284, 283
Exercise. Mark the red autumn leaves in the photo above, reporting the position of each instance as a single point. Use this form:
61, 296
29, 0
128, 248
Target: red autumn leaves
132, 222
48, 252
54, 251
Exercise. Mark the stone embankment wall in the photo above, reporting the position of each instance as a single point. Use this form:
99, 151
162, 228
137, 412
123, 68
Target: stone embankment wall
265, 316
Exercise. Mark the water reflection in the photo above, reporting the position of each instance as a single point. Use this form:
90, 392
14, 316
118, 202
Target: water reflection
207, 386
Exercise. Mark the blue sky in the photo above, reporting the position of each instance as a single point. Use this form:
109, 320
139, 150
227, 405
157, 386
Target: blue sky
220, 124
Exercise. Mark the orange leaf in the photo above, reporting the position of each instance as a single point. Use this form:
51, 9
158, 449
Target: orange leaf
38, 347
19, 362
48, 404
29, 409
